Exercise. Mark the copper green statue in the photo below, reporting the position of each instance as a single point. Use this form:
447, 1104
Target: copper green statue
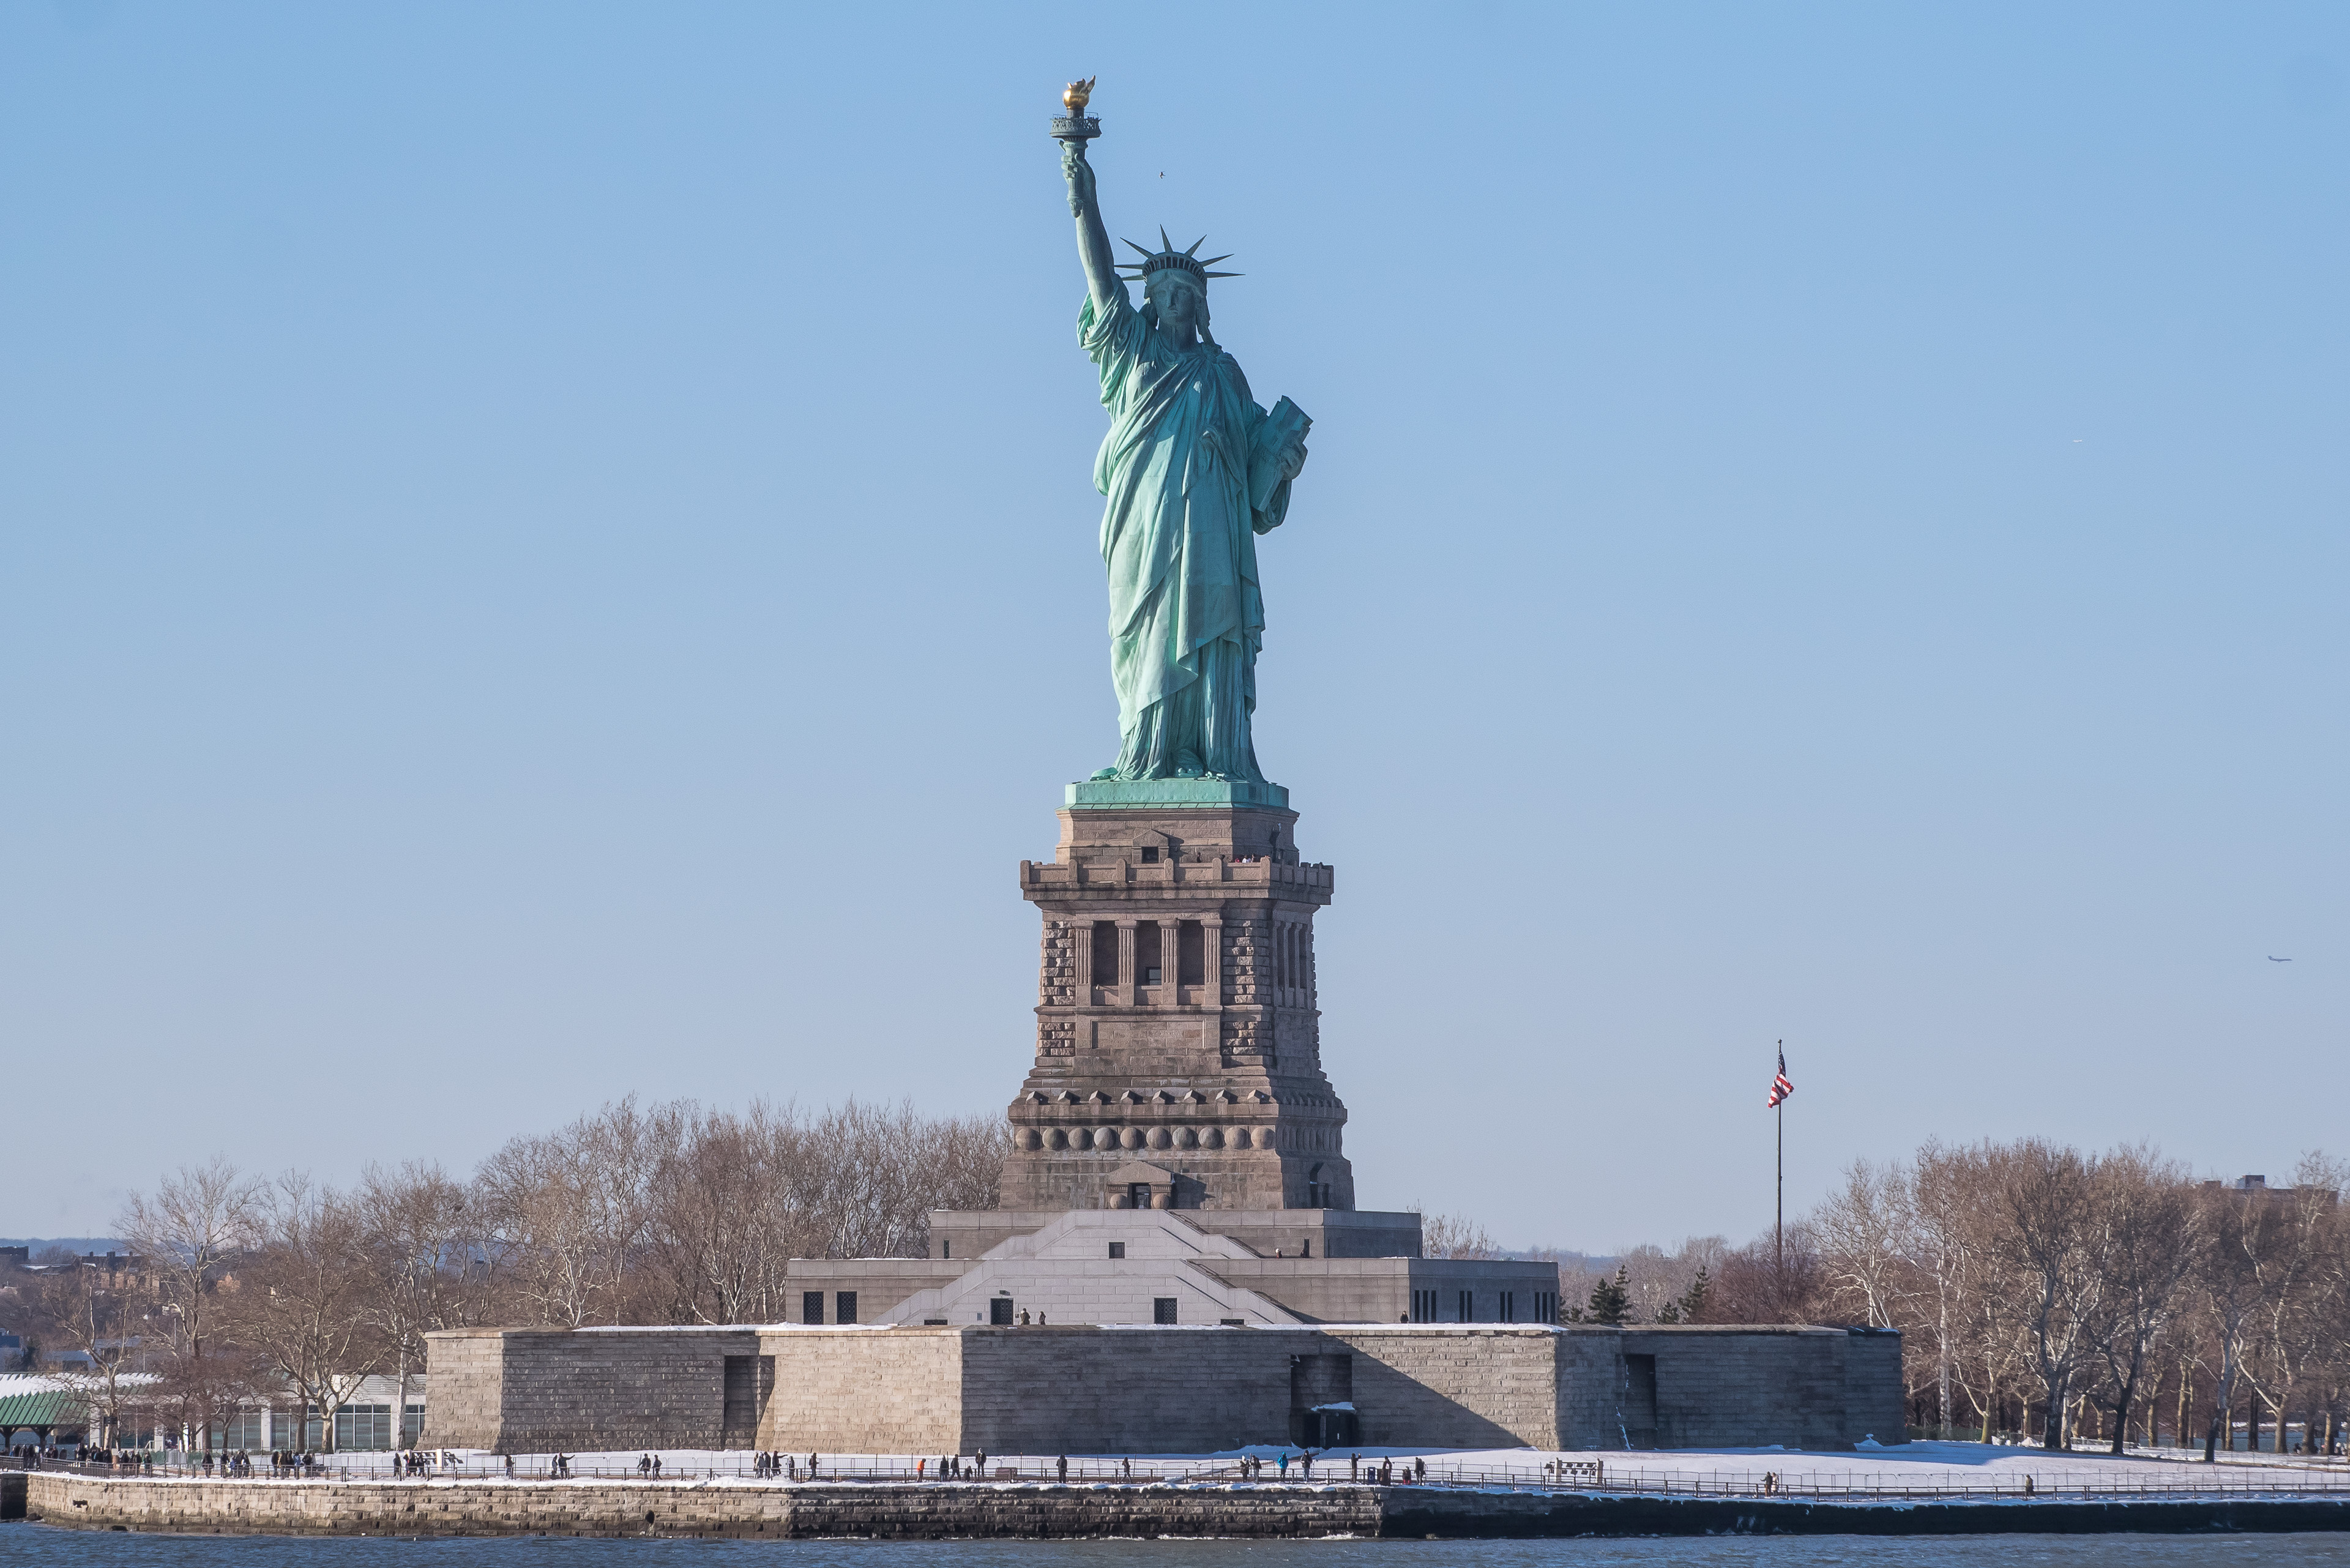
1194, 470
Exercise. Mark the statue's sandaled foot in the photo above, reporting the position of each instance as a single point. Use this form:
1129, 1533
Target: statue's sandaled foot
1100, 774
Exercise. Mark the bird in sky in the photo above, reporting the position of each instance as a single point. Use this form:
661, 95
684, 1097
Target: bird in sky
2274, 958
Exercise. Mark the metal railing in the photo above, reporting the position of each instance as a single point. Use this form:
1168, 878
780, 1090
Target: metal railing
1564, 1477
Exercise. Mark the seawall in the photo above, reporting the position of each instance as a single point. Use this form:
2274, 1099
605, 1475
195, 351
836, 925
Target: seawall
1044, 1511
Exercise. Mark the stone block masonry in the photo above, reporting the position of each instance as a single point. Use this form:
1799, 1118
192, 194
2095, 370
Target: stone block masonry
946, 1512
1142, 1389
545, 1390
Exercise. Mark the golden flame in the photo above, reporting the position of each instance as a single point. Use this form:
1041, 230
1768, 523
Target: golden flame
1077, 94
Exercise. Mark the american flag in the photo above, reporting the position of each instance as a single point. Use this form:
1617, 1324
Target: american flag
1780, 1087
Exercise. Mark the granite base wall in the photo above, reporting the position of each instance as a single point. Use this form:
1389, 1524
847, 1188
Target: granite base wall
543, 1390
1085, 1389
655, 1510
1040, 1512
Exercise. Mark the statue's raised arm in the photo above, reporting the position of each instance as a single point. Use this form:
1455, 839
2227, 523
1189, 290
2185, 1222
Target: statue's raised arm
1093, 237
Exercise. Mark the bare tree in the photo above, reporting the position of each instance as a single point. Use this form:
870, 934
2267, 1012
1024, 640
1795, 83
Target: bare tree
2042, 1197
569, 1210
1945, 1190
1866, 1236
198, 1221
2293, 1336
428, 1265
1455, 1236
95, 1312
2239, 1237
305, 1305
2146, 1244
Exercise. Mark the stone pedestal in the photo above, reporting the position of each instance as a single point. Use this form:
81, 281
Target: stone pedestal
1177, 1024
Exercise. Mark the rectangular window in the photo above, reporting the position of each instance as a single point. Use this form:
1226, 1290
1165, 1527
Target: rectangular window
1150, 855
999, 1313
844, 1306
1468, 1304
1118, 1248
812, 1306
1423, 1306
1545, 1306
1105, 952
363, 1429
1147, 951
1509, 1312
1192, 953
1162, 1309
412, 1426
946, 1249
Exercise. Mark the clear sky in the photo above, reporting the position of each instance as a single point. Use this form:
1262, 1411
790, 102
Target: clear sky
547, 552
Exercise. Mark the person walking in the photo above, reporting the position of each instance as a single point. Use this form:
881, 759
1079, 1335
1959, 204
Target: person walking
1285, 1464
1061, 1468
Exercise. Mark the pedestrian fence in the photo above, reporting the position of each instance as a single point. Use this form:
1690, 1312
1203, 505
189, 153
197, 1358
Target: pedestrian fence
1562, 1476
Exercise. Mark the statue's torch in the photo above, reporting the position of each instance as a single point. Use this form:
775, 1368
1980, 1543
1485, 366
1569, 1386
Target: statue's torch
1077, 126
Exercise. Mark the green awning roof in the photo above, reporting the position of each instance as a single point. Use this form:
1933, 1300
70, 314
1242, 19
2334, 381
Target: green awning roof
43, 1408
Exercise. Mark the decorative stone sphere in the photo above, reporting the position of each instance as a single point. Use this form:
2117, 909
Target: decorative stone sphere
1188, 1138
1213, 1139
1058, 1139
1134, 1137
1162, 1138
1239, 1137
1120, 1200
1031, 1139
1106, 1139
1163, 1200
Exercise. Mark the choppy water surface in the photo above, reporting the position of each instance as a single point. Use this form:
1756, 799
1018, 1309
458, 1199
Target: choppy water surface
29, 1543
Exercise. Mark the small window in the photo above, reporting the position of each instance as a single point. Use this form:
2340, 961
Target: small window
1138, 1195
1118, 1248
1509, 1312
1150, 855
1162, 1309
946, 1249
1105, 952
1468, 1306
812, 1306
999, 1313
844, 1306
1191, 953
1150, 973
1233, 1322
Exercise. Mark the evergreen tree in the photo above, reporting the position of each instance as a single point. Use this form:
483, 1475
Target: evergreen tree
1611, 1300
1692, 1302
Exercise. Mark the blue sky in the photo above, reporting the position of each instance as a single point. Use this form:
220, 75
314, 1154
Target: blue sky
547, 552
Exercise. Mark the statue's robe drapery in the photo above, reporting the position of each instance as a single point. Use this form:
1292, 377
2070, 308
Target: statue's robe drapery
1179, 539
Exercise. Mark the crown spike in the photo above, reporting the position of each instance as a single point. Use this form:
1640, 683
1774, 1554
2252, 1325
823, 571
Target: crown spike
1226, 275
1139, 250
1212, 261
1196, 245
1165, 244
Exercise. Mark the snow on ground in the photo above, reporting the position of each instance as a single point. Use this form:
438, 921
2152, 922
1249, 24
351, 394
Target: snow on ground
1919, 1465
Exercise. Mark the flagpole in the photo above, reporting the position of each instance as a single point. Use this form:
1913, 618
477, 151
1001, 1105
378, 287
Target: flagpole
1779, 1184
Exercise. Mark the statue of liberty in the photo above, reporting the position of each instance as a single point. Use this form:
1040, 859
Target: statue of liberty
1194, 470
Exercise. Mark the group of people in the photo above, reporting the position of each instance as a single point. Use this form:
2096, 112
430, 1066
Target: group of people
953, 1467
767, 1466
1383, 1471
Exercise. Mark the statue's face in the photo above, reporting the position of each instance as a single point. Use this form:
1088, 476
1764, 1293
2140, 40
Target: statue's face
1179, 299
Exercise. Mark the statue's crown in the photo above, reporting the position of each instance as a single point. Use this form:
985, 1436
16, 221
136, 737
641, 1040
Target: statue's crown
1168, 257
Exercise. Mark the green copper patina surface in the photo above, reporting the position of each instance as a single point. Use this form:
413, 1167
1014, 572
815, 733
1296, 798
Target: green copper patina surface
1193, 469
1102, 795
